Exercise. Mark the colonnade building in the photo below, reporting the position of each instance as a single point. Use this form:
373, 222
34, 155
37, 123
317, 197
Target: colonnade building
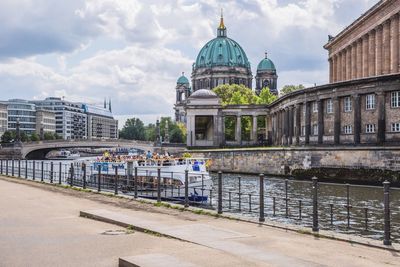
360, 105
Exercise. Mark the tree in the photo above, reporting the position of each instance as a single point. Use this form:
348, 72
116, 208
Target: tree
291, 88
8, 136
235, 94
133, 130
48, 136
56, 136
35, 137
266, 97
150, 132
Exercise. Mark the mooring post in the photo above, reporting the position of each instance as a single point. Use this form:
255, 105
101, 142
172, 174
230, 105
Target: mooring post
315, 227
219, 192
136, 183
116, 181
158, 185
262, 217
386, 203
99, 178
84, 175
51, 172
186, 188
42, 176
60, 173
71, 169
33, 170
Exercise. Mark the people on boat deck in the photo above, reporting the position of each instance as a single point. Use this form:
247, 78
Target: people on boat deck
107, 157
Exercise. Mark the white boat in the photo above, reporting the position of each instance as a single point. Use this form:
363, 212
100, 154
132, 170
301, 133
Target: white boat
65, 154
172, 174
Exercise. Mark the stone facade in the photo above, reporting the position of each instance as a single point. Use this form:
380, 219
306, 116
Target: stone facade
369, 46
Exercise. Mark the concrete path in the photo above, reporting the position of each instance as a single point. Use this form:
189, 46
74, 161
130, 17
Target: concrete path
40, 226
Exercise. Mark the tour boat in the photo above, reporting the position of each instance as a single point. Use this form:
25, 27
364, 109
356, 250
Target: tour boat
172, 173
65, 154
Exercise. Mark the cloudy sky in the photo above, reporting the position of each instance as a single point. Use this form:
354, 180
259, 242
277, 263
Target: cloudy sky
133, 51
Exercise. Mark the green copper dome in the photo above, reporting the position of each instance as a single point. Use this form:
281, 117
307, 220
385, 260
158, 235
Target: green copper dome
222, 51
266, 65
182, 79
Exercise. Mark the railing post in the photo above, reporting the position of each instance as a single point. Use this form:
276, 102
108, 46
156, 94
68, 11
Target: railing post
33, 170
1, 166
315, 227
12, 167
116, 181
136, 183
99, 178
158, 185
286, 199
71, 169
42, 176
186, 188
60, 173
262, 217
51, 172
348, 204
26, 169
7, 167
19, 168
386, 203
219, 192
240, 192
84, 175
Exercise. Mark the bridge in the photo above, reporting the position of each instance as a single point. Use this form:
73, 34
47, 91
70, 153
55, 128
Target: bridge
38, 150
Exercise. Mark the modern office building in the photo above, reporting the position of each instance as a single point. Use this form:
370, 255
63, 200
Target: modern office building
23, 111
100, 123
45, 122
3, 118
71, 121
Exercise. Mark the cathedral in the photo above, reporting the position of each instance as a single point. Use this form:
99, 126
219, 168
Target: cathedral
223, 61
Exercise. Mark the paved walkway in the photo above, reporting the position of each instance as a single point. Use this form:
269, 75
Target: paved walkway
40, 226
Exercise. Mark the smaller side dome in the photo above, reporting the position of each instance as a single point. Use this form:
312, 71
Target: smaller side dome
182, 79
203, 93
266, 64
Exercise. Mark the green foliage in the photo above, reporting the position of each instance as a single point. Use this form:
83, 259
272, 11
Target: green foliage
133, 130
56, 136
234, 94
266, 97
291, 88
48, 136
150, 132
35, 137
8, 136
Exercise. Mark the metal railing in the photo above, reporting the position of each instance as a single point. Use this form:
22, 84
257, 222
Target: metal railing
314, 207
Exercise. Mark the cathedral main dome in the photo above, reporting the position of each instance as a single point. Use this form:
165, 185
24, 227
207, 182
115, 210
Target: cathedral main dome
222, 51
221, 61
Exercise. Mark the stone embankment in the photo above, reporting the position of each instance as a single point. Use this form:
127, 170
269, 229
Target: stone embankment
370, 165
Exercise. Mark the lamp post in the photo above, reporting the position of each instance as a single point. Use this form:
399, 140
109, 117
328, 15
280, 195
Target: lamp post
17, 141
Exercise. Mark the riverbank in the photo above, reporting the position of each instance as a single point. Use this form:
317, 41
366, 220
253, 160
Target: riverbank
30, 223
362, 165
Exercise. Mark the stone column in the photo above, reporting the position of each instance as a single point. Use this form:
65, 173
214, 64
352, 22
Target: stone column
254, 129
372, 54
336, 125
238, 132
307, 122
330, 70
298, 123
348, 63
339, 68
357, 119
381, 132
378, 38
223, 138
320, 105
386, 47
359, 59
365, 48
344, 65
334, 66
354, 61
394, 44
291, 124
286, 127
